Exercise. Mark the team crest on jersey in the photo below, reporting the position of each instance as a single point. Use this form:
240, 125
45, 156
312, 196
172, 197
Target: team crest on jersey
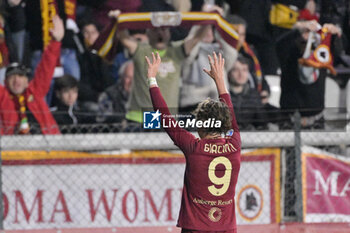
250, 202
214, 214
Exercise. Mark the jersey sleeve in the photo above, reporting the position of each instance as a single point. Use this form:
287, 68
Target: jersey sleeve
227, 99
181, 137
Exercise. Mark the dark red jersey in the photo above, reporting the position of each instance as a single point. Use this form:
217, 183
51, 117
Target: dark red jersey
212, 167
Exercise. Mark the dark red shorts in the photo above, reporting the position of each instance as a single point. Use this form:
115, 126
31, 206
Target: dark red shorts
197, 231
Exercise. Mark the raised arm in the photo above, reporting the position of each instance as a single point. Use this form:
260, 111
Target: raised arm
230, 54
196, 34
128, 42
123, 35
44, 71
182, 138
216, 72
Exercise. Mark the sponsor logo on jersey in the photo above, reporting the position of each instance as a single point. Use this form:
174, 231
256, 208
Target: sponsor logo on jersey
214, 214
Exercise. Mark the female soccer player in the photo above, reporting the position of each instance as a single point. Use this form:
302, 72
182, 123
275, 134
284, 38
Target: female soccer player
212, 162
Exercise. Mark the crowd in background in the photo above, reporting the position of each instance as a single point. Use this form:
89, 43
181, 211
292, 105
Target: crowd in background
84, 90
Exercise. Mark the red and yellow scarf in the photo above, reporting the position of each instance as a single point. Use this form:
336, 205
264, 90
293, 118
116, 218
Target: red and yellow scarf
257, 66
21, 106
49, 9
4, 53
105, 44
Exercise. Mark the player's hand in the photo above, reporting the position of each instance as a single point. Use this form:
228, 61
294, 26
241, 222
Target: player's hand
217, 64
57, 31
153, 67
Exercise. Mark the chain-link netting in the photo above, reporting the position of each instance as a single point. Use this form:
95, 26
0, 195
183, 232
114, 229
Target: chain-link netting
107, 177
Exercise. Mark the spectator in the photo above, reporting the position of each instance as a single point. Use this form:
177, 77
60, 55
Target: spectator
123, 56
297, 94
17, 22
38, 27
176, 33
256, 13
4, 52
90, 32
22, 101
246, 101
221, 6
68, 111
169, 75
181, 5
38, 23
256, 79
96, 75
309, 12
100, 11
196, 85
112, 102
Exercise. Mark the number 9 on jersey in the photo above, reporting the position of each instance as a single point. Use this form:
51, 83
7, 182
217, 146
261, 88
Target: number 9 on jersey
224, 180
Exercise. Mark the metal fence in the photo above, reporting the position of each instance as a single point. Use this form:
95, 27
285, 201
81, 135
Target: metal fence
89, 180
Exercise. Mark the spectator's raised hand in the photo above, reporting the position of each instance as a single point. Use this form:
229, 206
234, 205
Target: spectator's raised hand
153, 67
311, 25
114, 13
57, 31
211, 7
333, 29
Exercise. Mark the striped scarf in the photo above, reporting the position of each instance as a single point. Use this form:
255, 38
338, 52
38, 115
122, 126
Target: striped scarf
70, 7
21, 106
4, 53
257, 67
105, 45
49, 9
